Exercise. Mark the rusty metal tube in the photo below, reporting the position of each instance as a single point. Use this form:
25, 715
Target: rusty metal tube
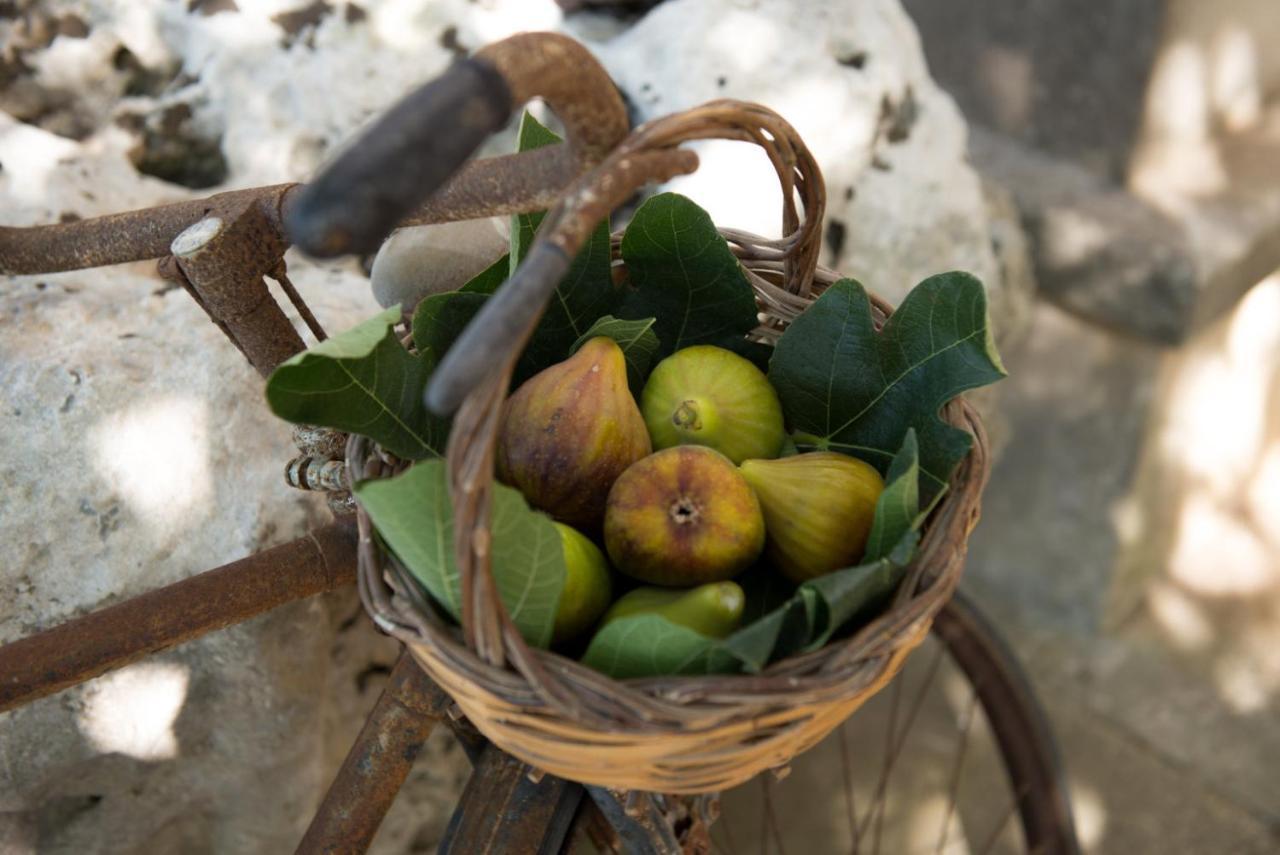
110, 638
378, 762
223, 259
116, 238
495, 186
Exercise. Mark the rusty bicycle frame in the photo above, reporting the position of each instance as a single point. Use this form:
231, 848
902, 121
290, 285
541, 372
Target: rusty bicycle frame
407, 169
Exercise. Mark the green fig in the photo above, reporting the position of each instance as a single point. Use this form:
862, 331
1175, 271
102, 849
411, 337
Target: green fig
715, 609
682, 517
587, 586
818, 509
569, 431
710, 396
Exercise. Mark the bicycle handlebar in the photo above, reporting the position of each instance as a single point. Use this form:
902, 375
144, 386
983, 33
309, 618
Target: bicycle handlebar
413, 150
399, 161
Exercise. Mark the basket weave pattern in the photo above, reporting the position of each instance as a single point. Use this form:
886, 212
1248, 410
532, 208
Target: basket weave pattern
691, 734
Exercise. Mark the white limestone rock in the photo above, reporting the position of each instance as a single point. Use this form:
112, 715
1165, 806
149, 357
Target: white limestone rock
902, 203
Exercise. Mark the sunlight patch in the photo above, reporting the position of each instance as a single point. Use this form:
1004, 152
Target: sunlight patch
132, 711
156, 455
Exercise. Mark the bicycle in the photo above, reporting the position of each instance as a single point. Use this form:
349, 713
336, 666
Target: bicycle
220, 249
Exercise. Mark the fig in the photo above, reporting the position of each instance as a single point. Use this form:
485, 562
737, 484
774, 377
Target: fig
587, 586
683, 516
710, 396
818, 509
714, 609
569, 431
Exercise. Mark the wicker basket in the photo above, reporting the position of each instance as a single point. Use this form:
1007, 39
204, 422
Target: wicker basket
670, 734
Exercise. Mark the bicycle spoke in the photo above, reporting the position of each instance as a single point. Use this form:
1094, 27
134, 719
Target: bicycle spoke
1004, 820
947, 722
846, 764
894, 749
958, 769
773, 816
876, 808
724, 827
764, 818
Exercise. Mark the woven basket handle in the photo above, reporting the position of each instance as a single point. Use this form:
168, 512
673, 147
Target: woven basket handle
476, 372
650, 154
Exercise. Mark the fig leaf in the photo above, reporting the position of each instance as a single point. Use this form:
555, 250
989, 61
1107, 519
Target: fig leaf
488, 280
440, 319
845, 387
898, 508
413, 515
683, 273
362, 381
649, 645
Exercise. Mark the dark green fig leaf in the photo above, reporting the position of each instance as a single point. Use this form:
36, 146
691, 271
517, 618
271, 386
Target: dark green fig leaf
844, 387
684, 274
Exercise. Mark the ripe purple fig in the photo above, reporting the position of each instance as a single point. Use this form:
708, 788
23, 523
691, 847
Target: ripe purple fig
569, 431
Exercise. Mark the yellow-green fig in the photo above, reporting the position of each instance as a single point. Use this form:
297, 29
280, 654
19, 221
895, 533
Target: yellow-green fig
683, 516
710, 396
569, 431
587, 586
818, 509
714, 610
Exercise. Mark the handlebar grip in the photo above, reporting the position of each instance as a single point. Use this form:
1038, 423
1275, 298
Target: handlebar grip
358, 199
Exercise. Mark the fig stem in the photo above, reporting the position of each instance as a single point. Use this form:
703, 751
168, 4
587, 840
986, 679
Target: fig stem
821, 443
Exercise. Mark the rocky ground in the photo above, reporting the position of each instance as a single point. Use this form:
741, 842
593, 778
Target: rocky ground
1138, 581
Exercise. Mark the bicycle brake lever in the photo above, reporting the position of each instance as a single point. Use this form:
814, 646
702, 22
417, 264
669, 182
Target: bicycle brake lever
360, 197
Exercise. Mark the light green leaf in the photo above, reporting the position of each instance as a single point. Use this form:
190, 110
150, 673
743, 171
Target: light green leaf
684, 274
846, 388
637, 340
362, 381
413, 515
649, 645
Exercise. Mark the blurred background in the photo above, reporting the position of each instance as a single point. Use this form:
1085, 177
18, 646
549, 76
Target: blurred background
1110, 169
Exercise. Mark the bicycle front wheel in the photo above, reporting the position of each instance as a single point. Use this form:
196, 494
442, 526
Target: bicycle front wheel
954, 756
